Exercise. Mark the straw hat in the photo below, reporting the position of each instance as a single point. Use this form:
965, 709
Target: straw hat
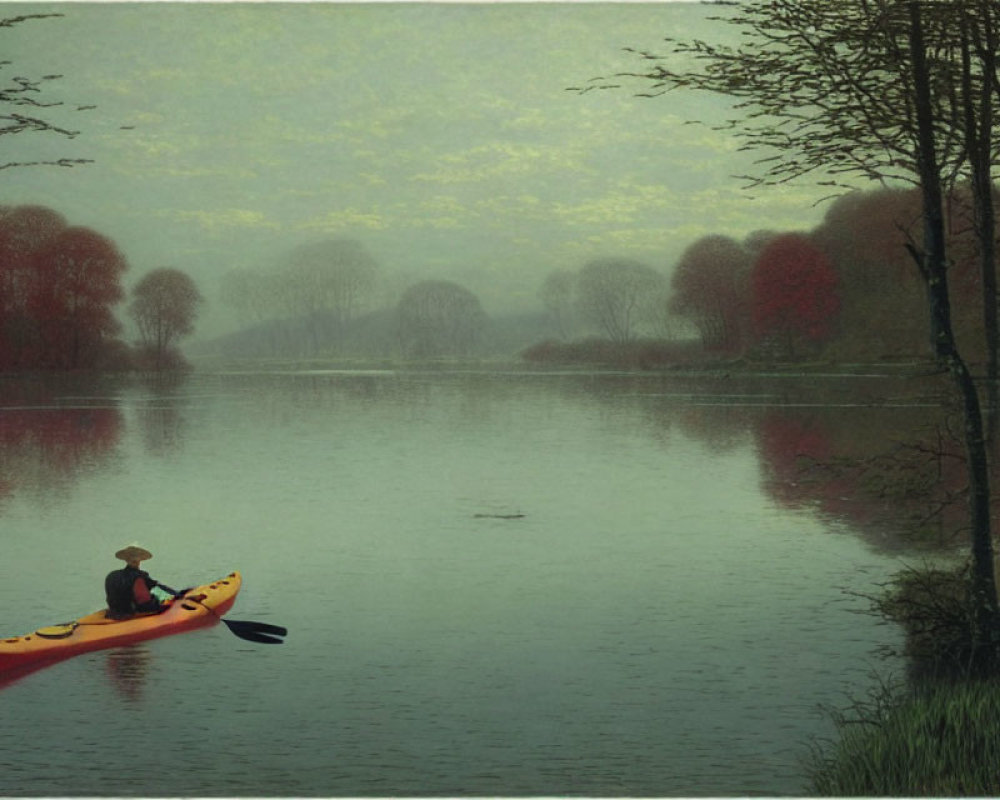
133, 553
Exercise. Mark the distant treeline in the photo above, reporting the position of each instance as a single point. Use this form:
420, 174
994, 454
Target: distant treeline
848, 290
845, 291
332, 299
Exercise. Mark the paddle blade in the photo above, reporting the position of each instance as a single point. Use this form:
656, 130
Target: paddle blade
252, 630
260, 627
262, 638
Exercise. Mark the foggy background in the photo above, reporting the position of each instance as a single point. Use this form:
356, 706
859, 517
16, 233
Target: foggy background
441, 137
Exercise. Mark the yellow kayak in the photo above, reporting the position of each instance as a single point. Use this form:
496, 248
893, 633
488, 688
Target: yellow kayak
196, 607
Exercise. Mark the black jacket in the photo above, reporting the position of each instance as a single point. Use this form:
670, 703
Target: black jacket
118, 588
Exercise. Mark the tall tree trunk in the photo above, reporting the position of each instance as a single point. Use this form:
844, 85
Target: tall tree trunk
978, 112
933, 265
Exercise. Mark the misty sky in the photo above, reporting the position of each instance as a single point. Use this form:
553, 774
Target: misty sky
441, 136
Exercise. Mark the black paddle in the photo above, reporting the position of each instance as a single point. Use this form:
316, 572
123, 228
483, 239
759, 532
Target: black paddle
256, 631
251, 631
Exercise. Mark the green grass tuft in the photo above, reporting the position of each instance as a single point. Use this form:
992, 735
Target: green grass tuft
933, 741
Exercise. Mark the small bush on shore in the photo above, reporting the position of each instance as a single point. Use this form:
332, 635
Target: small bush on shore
936, 609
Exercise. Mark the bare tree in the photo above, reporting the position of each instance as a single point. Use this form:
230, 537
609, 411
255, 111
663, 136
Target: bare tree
328, 283
711, 289
556, 294
617, 295
245, 291
979, 45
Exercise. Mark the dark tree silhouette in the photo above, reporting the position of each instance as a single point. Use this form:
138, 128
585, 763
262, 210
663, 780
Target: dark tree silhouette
164, 306
23, 230
711, 288
439, 318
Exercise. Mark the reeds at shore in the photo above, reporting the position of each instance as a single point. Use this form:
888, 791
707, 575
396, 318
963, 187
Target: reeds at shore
938, 740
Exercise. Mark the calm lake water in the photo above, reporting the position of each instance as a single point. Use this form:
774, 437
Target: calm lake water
662, 620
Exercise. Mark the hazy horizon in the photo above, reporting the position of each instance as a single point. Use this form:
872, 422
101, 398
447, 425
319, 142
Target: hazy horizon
440, 136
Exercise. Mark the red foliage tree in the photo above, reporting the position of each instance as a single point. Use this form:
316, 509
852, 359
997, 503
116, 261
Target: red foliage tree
78, 281
710, 289
794, 294
22, 231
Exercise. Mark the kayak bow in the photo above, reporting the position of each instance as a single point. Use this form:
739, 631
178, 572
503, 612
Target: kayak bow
196, 607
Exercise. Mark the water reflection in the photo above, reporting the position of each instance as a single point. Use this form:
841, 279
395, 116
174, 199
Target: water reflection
876, 453
161, 415
49, 438
128, 669
722, 428
162, 427
11, 677
873, 452
898, 478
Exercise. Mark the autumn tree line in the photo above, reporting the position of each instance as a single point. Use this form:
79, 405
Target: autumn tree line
770, 295
846, 290
60, 286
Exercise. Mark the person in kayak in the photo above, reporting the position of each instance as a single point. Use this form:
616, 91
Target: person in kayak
129, 590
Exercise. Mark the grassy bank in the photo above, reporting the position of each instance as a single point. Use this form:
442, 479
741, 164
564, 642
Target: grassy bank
939, 736
941, 740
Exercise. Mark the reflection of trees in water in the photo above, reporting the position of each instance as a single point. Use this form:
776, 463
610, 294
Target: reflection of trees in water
721, 427
897, 476
877, 454
128, 669
47, 443
162, 428
161, 417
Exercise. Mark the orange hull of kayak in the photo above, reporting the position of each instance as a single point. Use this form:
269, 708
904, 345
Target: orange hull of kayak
200, 606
